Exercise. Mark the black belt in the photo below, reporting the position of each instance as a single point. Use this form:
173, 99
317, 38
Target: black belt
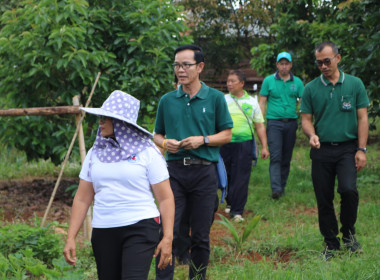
338, 143
286, 120
283, 120
192, 161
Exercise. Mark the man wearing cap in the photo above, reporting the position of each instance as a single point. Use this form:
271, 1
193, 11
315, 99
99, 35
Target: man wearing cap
280, 91
191, 123
338, 136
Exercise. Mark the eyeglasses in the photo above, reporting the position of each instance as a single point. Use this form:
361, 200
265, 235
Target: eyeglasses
103, 119
326, 61
184, 66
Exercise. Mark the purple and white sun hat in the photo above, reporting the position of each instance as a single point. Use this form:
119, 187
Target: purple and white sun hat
122, 106
129, 138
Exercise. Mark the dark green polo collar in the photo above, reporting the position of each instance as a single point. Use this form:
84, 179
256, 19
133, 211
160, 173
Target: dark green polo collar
325, 82
202, 93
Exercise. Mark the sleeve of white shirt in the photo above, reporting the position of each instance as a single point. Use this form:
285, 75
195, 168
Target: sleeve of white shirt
157, 170
85, 171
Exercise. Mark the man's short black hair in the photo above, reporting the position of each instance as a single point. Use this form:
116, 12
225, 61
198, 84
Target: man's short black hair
324, 44
198, 53
240, 74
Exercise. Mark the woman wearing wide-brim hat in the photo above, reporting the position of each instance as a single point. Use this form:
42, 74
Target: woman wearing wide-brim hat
122, 173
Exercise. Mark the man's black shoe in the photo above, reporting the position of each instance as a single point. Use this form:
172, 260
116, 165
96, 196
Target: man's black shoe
276, 195
352, 244
329, 253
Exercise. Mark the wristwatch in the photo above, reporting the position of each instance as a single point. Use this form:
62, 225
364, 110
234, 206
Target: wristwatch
362, 149
206, 140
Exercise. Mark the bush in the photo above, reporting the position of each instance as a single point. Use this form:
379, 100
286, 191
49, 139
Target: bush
33, 252
23, 265
46, 245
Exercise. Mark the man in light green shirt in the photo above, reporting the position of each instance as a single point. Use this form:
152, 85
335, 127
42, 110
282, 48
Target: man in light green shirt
237, 154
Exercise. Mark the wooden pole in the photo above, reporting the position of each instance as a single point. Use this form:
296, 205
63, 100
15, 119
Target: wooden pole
82, 150
40, 111
68, 155
82, 147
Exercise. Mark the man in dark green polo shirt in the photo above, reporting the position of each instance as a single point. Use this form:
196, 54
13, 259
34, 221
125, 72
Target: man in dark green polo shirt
338, 102
280, 91
191, 123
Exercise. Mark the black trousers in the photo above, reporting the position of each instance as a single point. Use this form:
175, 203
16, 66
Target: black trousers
125, 252
281, 139
182, 250
183, 244
194, 188
330, 162
237, 158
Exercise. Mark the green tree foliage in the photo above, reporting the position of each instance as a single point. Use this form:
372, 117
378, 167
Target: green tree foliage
292, 23
361, 45
353, 25
8, 5
52, 50
227, 30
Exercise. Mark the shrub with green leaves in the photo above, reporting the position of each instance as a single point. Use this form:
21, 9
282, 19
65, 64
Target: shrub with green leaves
34, 252
46, 245
24, 265
52, 49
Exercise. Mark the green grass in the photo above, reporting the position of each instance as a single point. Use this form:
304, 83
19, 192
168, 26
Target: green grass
13, 165
291, 225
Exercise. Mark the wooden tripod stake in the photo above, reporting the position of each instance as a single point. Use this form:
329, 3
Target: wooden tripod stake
82, 151
79, 125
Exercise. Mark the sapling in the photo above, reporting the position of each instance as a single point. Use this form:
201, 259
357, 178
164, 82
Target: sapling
239, 239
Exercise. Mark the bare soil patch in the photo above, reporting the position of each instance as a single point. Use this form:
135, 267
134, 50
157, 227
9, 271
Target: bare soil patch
23, 199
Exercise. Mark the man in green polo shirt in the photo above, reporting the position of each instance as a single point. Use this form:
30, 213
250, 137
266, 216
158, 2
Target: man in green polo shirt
191, 123
338, 102
280, 91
